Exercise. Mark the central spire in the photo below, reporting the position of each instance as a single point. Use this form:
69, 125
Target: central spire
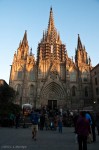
51, 22
51, 35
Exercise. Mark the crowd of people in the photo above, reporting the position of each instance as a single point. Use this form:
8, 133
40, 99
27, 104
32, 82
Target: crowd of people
85, 123
50, 120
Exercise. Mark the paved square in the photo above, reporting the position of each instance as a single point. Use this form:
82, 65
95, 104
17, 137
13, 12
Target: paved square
21, 139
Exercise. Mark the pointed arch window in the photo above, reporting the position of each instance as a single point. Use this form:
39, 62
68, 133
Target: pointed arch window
31, 90
31, 75
19, 76
97, 91
86, 91
85, 76
73, 76
18, 89
96, 81
40, 74
73, 91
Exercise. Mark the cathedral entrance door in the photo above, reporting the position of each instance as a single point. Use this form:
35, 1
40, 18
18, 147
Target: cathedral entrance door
52, 104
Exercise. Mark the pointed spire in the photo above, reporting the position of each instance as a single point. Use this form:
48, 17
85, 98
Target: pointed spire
89, 61
79, 44
25, 41
25, 35
15, 53
84, 48
72, 58
58, 36
51, 21
20, 44
31, 51
43, 36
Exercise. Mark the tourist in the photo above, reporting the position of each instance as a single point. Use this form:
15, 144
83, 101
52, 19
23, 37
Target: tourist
97, 122
91, 120
60, 124
47, 124
34, 119
42, 121
83, 130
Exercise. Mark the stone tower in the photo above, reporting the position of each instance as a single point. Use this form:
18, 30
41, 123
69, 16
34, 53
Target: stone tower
23, 73
53, 80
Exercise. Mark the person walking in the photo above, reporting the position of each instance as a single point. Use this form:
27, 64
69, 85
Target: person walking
83, 130
34, 119
47, 122
97, 122
60, 124
91, 120
42, 121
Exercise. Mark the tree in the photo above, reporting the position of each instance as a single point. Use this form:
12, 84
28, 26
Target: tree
7, 96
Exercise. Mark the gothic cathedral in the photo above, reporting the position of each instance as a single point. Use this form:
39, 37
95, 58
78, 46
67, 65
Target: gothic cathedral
53, 79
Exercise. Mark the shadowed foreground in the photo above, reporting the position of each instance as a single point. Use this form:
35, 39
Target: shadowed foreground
21, 138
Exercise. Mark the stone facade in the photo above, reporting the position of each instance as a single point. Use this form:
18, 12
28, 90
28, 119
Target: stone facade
52, 79
95, 85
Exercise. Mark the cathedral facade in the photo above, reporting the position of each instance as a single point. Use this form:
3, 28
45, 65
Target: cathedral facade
52, 79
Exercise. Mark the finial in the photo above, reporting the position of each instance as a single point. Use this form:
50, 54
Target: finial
25, 41
43, 35
20, 44
72, 58
79, 44
31, 51
51, 8
51, 21
58, 36
15, 53
25, 35
84, 47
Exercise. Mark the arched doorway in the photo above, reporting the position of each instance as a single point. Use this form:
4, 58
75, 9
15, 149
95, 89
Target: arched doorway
53, 95
52, 104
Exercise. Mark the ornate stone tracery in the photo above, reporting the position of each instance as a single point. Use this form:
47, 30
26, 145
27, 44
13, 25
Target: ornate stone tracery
55, 77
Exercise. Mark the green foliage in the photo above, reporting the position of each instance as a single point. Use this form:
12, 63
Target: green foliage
7, 96
8, 108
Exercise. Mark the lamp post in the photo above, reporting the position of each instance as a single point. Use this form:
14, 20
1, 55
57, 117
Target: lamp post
94, 105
